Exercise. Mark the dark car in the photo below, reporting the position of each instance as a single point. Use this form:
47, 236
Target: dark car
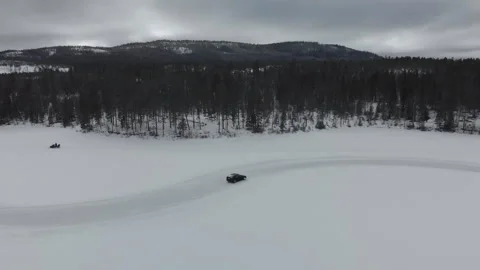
55, 146
235, 177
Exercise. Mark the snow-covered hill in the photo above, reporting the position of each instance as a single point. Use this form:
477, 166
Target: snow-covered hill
338, 199
190, 50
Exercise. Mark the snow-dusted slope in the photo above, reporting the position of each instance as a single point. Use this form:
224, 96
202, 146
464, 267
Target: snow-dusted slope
11, 53
7, 67
192, 50
337, 199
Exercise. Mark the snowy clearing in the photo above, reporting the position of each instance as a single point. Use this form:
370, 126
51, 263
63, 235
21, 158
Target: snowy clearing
358, 198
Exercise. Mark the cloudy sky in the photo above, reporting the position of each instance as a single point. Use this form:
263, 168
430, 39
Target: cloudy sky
389, 27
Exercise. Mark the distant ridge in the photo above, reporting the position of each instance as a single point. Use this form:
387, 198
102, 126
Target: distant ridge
189, 51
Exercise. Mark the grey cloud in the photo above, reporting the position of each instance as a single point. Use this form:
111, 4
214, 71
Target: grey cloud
301, 13
394, 27
12, 41
346, 22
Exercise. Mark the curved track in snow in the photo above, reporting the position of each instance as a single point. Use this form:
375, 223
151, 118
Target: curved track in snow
195, 188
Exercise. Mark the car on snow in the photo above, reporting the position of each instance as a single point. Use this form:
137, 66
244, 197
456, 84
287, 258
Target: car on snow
235, 177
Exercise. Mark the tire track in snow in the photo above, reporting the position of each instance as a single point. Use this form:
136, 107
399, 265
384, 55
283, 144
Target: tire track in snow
147, 202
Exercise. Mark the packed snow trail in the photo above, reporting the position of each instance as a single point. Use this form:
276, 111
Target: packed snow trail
195, 188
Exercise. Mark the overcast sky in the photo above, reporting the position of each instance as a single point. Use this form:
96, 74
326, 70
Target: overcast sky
388, 27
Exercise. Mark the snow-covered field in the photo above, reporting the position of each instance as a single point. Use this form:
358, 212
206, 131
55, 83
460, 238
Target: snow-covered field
353, 198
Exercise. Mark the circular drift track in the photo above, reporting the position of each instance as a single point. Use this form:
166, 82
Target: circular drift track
195, 188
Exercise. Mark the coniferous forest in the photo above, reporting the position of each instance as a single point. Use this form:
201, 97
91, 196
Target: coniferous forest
176, 99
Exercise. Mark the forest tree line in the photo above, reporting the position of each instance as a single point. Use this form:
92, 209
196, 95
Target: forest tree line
152, 97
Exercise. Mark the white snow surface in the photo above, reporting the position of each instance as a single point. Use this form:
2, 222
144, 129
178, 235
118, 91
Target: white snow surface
6, 69
29, 68
80, 49
182, 50
50, 51
357, 198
